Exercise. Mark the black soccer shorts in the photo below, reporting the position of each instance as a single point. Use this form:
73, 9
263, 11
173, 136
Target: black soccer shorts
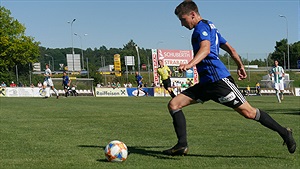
167, 83
223, 91
66, 87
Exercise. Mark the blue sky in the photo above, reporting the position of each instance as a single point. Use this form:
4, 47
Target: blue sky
251, 27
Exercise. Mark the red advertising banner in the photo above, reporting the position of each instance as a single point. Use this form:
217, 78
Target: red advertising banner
173, 58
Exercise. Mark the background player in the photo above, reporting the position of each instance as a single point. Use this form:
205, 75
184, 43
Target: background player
216, 82
48, 81
66, 83
139, 81
165, 73
277, 72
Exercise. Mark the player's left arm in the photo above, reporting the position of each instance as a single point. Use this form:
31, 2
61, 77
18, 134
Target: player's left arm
69, 82
158, 72
141, 79
48, 75
169, 71
282, 71
234, 55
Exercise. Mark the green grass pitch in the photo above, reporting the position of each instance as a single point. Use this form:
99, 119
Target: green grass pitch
72, 132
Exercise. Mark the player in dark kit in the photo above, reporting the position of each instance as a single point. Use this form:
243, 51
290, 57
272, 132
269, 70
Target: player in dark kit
139, 81
66, 83
216, 82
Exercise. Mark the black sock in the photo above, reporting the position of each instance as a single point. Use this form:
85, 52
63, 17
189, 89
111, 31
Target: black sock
146, 93
270, 123
179, 124
172, 94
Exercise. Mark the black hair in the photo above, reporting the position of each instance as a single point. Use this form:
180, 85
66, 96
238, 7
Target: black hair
186, 7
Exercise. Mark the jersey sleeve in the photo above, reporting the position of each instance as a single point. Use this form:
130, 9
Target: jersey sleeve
49, 72
221, 39
168, 69
271, 71
282, 70
204, 32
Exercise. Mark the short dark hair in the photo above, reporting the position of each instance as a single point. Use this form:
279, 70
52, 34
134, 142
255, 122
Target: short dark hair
186, 7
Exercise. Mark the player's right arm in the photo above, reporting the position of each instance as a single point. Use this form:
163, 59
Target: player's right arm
199, 56
271, 72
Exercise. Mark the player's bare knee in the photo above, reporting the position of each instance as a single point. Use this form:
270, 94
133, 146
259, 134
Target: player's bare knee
248, 114
173, 106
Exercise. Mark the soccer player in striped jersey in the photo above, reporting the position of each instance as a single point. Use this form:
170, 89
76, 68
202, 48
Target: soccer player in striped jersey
277, 72
216, 82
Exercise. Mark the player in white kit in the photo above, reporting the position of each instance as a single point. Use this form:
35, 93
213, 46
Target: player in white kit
277, 72
48, 81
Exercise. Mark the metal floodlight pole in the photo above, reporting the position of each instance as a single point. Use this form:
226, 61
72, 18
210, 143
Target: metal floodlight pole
284, 61
72, 40
81, 48
82, 52
52, 61
87, 67
138, 55
287, 40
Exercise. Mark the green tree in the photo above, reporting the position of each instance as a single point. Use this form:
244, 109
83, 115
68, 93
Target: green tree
280, 53
129, 49
294, 54
16, 49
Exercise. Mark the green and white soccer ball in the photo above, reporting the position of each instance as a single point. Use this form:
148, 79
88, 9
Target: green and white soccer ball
116, 151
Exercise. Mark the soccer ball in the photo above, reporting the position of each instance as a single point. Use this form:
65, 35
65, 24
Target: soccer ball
42, 92
116, 151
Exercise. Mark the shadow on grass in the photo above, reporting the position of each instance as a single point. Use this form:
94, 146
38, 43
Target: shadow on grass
294, 111
136, 150
142, 150
233, 156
